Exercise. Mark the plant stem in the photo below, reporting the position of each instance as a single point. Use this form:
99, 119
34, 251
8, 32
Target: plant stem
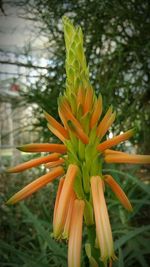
95, 252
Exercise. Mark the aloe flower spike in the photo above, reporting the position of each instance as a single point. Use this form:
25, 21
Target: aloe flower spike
78, 161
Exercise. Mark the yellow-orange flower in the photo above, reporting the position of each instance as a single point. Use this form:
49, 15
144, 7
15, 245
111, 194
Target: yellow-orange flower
64, 199
36, 185
103, 228
118, 192
74, 246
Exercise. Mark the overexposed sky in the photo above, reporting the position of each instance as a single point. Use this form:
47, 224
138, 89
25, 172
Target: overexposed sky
20, 36
17, 33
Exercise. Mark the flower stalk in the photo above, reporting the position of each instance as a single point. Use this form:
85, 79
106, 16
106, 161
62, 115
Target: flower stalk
78, 161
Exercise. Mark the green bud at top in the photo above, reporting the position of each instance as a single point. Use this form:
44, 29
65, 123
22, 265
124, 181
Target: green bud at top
76, 67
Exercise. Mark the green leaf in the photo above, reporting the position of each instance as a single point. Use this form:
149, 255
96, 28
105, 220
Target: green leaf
131, 234
120, 261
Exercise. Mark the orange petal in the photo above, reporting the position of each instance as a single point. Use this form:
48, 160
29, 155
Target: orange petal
64, 200
127, 158
69, 116
67, 225
97, 112
56, 125
79, 133
66, 103
36, 185
61, 182
75, 238
112, 152
88, 100
80, 97
118, 192
107, 125
56, 132
43, 148
115, 140
75, 124
104, 122
54, 163
63, 119
103, 228
34, 162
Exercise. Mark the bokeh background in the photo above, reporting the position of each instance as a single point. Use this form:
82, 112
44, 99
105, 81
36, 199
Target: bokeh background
32, 75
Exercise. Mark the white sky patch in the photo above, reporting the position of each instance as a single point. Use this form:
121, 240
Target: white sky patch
110, 135
21, 42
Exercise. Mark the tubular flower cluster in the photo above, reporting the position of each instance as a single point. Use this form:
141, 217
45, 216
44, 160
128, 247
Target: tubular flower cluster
78, 160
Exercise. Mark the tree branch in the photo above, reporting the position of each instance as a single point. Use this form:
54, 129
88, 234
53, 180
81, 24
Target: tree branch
27, 65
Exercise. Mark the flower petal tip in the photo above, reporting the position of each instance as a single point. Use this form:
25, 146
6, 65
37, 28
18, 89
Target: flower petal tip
130, 209
9, 170
21, 148
132, 131
10, 201
45, 112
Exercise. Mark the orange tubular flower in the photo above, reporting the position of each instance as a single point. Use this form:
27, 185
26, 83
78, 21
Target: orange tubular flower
75, 238
64, 200
112, 152
67, 113
36, 185
127, 158
118, 192
56, 125
63, 119
56, 133
102, 127
80, 97
97, 112
34, 162
61, 182
116, 140
80, 194
54, 163
88, 100
79, 133
34, 148
103, 229
67, 225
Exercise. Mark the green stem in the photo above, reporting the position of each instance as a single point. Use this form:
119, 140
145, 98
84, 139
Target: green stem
94, 251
